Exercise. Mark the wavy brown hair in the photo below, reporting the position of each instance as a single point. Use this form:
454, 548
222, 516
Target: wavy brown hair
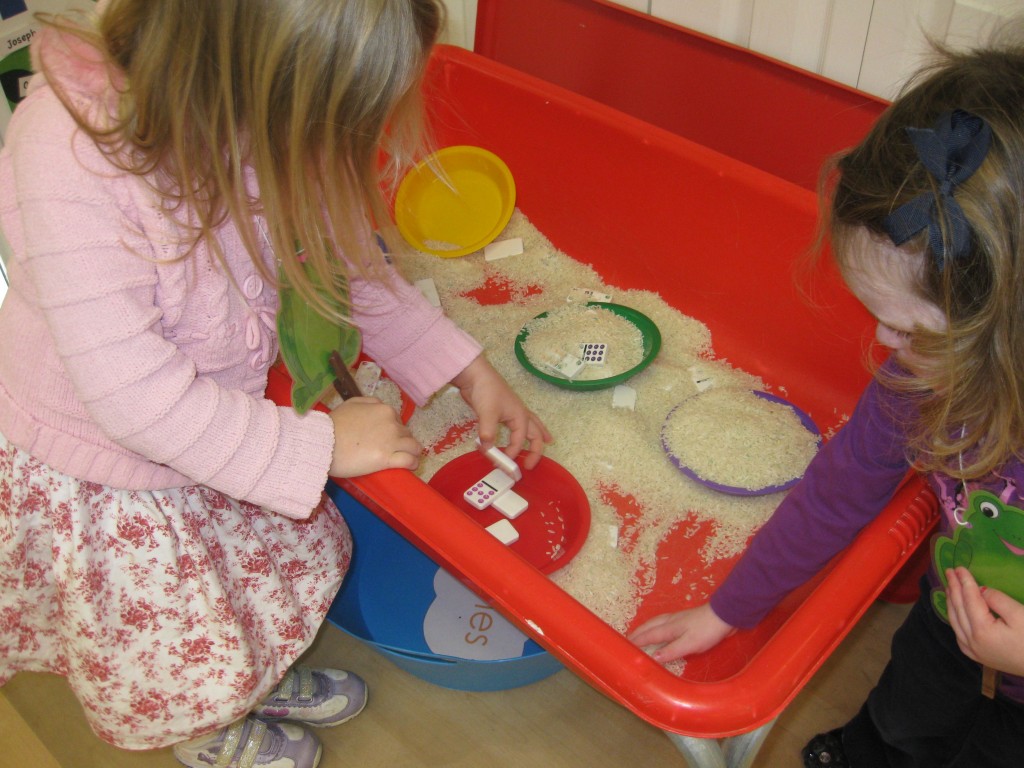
306, 95
971, 392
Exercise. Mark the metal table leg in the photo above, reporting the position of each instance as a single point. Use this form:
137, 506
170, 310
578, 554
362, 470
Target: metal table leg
733, 752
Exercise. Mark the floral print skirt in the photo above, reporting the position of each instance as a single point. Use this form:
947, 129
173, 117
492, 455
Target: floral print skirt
169, 612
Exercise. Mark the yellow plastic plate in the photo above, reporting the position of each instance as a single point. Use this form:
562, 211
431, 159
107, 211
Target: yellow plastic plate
455, 201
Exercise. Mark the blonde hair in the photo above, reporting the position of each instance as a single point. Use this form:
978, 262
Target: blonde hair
304, 94
971, 392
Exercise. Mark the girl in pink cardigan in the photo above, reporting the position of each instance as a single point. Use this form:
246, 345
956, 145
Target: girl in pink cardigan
165, 543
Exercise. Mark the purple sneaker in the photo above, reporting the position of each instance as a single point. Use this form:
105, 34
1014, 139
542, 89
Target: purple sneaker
248, 743
317, 697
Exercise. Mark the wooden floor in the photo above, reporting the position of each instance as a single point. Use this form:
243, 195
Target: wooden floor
559, 722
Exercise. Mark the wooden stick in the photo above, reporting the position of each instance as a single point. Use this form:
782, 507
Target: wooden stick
343, 381
989, 682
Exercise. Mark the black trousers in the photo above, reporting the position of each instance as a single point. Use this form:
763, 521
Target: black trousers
927, 710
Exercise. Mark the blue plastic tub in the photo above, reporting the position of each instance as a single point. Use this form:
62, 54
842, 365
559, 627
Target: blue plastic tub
385, 599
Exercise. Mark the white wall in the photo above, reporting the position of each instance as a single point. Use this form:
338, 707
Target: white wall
461, 23
868, 44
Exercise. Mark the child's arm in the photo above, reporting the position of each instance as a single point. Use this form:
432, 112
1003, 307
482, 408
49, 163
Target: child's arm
423, 351
681, 634
847, 483
989, 625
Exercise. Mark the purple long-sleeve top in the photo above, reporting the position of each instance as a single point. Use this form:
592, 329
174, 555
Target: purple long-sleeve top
847, 484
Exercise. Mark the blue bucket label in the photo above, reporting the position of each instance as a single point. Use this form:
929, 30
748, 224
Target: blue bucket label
459, 624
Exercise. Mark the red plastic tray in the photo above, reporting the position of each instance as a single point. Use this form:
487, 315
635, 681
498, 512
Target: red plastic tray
765, 112
717, 239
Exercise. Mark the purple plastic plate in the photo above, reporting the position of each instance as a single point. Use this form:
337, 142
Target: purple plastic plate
733, 489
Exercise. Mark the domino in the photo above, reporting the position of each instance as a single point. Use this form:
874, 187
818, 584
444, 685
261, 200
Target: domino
510, 504
585, 294
504, 532
483, 493
502, 462
702, 378
429, 290
367, 376
503, 249
568, 367
624, 397
593, 353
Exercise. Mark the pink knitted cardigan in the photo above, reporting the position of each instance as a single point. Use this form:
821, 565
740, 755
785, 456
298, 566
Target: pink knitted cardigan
122, 367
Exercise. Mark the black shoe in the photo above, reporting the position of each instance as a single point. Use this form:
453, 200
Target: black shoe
826, 749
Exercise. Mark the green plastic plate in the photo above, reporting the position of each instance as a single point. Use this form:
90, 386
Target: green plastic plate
652, 344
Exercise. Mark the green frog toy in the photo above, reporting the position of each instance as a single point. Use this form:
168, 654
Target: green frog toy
990, 545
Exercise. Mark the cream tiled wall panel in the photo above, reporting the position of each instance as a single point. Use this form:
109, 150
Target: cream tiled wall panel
897, 42
794, 31
725, 19
844, 48
636, 5
974, 20
461, 27
822, 36
868, 44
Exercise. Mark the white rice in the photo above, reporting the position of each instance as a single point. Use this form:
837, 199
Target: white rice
735, 438
608, 450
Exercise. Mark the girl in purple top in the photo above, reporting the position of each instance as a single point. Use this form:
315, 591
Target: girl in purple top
165, 543
927, 227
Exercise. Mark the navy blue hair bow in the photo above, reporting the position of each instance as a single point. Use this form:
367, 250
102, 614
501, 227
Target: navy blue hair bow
951, 151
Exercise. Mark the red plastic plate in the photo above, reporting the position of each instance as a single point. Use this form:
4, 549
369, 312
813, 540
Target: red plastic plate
551, 531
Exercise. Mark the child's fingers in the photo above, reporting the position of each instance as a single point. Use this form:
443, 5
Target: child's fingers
652, 635
406, 455
955, 607
970, 614
530, 435
404, 459
487, 430
1001, 604
975, 607
679, 648
535, 444
648, 625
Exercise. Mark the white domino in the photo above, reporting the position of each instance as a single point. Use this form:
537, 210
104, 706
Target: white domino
586, 294
483, 493
504, 532
502, 462
429, 290
593, 353
510, 504
702, 378
368, 376
624, 397
569, 367
502, 249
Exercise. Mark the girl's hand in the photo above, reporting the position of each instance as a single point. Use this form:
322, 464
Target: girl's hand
494, 403
989, 625
369, 436
681, 634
